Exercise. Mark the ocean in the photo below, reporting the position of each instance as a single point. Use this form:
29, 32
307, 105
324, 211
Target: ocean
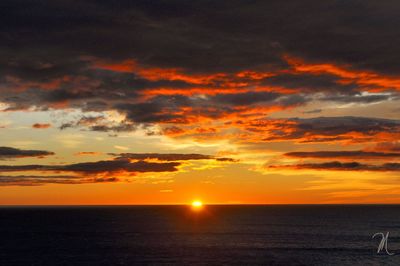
217, 235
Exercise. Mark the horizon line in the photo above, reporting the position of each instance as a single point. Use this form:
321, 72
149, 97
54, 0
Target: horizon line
188, 204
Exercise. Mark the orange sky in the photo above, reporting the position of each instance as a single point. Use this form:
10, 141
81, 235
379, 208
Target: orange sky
142, 104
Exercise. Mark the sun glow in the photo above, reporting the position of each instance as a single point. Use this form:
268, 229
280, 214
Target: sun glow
197, 205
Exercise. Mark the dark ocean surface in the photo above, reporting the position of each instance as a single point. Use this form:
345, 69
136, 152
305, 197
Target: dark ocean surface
218, 235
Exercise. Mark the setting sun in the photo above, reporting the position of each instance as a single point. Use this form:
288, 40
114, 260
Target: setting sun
197, 205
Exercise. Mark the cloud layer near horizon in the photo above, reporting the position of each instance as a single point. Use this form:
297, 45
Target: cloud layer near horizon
9, 153
121, 165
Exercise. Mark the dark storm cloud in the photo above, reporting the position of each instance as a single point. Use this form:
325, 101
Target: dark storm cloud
178, 108
62, 54
199, 36
63, 95
247, 98
168, 109
9, 152
203, 36
310, 83
343, 154
90, 90
153, 111
340, 166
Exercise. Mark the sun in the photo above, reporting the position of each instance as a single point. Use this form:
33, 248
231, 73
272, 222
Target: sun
197, 205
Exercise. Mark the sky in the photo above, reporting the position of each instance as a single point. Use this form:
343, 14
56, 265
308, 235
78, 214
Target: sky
228, 102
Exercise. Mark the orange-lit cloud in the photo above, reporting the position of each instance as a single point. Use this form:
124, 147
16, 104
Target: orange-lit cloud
41, 126
368, 80
91, 153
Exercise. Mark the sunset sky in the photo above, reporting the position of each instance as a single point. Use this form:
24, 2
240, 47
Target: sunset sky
165, 102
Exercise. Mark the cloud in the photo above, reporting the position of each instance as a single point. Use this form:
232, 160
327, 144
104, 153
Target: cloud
387, 146
344, 154
314, 111
226, 62
9, 152
326, 129
84, 153
360, 79
245, 99
100, 123
87, 168
33, 180
215, 38
169, 156
122, 165
341, 166
220, 77
116, 166
41, 126
247, 129
358, 98
121, 161
306, 82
